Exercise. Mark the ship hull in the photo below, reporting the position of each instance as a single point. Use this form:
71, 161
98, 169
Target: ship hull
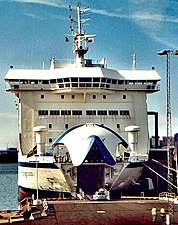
46, 178
65, 181
24, 192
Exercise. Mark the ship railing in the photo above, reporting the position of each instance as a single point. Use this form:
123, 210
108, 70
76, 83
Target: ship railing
25, 203
88, 62
63, 159
166, 195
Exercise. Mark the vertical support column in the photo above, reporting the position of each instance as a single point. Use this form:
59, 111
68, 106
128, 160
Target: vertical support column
40, 138
133, 140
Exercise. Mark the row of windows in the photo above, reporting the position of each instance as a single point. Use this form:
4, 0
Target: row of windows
66, 126
79, 112
85, 81
73, 96
148, 85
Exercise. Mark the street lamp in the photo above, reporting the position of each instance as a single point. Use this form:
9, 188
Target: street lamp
167, 53
36, 161
168, 100
37, 177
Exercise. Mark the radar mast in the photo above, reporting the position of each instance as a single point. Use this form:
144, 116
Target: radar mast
80, 38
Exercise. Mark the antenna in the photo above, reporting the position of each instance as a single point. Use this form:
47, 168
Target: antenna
80, 38
134, 62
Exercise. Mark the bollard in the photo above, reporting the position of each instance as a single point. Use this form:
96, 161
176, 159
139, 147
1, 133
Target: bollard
167, 219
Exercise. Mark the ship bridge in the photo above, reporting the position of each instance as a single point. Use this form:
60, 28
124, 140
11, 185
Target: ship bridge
67, 78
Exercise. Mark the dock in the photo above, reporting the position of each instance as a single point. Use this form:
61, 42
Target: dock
85, 212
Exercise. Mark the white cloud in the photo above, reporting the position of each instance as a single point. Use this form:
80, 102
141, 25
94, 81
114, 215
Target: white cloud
45, 2
33, 16
152, 17
108, 13
164, 41
52, 3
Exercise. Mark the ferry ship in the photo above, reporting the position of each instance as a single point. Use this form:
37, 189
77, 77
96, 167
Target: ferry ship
82, 125
9, 155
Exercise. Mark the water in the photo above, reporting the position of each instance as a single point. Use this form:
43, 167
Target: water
8, 186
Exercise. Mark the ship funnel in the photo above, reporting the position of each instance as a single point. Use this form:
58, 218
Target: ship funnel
40, 132
133, 138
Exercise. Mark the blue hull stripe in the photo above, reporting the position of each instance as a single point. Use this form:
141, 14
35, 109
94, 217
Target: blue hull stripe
40, 165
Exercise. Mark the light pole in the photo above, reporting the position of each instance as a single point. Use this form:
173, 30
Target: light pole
168, 100
37, 178
167, 53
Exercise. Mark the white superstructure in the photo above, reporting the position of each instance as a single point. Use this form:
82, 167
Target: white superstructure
58, 106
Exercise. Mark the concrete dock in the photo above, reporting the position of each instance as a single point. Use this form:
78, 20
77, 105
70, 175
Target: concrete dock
121, 212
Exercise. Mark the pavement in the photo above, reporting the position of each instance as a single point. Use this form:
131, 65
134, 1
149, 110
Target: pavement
121, 212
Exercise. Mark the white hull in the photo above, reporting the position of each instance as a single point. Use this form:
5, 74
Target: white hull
60, 180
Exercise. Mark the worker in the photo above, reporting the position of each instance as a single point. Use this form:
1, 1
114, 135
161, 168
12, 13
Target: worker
154, 214
163, 215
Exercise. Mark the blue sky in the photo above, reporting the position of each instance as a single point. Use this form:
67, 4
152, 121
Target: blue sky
33, 31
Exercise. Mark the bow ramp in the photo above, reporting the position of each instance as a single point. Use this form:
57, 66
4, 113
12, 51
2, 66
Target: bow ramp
91, 142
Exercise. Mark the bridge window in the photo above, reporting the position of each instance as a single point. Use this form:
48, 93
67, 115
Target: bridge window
45, 81
74, 79
60, 80
120, 82
103, 79
67, 85
61, 85
114, 81
74, 84
53, 81
85, 79
96, 79
96, 85
66, 80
